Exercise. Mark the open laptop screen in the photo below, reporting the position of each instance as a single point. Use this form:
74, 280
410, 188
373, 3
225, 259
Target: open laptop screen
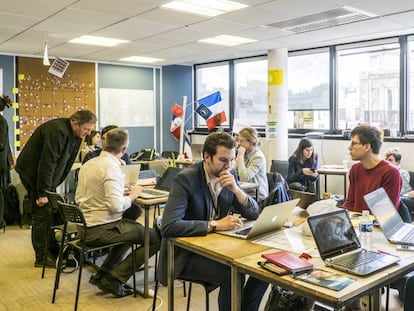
384, 210
333, 233
167, 178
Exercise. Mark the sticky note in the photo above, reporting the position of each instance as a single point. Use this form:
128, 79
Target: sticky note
15, 118
20, 76
15, 105
17, 143
15, 90
275, 77
16, 131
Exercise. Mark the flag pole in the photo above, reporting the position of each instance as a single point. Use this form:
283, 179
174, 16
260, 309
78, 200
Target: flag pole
181, 149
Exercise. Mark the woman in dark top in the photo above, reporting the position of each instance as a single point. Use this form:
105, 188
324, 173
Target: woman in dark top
303, 164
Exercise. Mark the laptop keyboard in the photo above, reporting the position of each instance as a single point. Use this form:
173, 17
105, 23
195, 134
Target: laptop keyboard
244, 231
360, 258
409, 237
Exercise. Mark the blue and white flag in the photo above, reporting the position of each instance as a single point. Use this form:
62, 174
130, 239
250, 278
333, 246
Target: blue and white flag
205, 104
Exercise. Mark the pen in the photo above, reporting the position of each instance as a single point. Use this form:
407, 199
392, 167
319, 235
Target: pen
384, 252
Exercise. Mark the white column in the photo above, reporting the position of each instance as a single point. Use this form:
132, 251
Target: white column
277, 114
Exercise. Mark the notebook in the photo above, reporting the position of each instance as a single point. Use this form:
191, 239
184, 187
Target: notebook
163, 186
390, 221
306, 198
270, 219
340, 248
288, 261
131, 173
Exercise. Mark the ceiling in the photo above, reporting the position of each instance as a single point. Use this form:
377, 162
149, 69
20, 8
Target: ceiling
25, 25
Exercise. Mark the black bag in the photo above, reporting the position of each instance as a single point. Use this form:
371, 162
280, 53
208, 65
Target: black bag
285, 300
12, 206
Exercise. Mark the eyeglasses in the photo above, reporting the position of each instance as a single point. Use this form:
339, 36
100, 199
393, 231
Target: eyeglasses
353, 143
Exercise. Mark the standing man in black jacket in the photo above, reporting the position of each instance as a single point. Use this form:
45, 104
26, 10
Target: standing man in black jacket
44, 163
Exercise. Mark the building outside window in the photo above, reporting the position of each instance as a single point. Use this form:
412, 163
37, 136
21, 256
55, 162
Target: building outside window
368, 85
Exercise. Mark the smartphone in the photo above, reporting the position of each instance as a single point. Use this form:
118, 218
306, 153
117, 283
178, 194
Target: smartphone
405, 248
313, 170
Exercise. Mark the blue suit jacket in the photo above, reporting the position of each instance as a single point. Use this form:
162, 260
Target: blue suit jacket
188, 211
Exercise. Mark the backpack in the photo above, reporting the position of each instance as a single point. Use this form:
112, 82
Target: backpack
12, 206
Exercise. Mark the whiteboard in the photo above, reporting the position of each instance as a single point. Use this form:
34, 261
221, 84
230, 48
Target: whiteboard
126, 107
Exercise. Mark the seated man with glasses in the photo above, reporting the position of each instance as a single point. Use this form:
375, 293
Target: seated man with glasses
369, 174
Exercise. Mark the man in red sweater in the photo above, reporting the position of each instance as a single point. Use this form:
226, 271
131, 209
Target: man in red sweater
368, 175
371, 172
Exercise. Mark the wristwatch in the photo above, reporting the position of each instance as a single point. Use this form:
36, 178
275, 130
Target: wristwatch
213, 225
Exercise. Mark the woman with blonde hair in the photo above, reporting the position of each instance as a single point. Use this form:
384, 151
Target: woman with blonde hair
250, 163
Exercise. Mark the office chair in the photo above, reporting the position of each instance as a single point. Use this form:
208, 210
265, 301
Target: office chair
73, 214
280, 166
169, 154
53, 199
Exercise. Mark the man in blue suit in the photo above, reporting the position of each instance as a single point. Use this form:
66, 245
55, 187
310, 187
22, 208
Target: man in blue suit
202, 200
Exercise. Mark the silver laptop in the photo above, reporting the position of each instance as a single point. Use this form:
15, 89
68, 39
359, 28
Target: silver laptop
131, 173
340, 248
163, 186
270, 219
390, 221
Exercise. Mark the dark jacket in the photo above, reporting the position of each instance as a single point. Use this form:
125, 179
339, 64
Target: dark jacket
48, 155
188, 211
6, 158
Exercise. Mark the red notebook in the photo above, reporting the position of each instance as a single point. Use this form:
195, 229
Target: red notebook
288, 261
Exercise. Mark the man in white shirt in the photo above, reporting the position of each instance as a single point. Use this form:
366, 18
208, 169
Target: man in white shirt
100, 195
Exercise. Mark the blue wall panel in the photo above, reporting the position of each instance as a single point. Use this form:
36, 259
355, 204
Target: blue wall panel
7, 64
177, 82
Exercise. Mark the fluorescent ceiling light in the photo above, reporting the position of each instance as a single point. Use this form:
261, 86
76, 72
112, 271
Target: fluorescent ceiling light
206, 8
141, 59
100, 41
227, 40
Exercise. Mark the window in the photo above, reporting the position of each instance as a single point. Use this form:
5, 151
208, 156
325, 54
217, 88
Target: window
410, 85
250, 92
210, 79
369, 85
308, 87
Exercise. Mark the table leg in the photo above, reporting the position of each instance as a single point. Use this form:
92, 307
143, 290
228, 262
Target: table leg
236, 289
146, 250
376, 295
326, 185
170, 272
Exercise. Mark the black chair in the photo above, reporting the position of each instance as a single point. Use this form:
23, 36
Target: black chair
73, 214
404, 212
278, 189
53, 199
280, 166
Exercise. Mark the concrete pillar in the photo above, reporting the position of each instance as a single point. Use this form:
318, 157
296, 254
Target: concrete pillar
277, 114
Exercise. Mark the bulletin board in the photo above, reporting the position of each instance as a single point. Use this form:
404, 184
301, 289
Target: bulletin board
43, 96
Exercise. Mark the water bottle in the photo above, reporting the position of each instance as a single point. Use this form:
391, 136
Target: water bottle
365, 229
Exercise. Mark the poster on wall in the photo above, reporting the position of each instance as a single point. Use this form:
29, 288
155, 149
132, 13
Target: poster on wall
126, 107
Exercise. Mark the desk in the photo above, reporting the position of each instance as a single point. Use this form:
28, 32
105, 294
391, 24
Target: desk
146, 204
242, 257
334, 170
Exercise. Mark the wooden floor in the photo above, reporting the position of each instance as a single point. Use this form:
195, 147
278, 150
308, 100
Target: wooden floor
21, 287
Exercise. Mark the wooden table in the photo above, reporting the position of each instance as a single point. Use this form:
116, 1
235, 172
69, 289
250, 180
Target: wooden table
334, 170
242, 256
146, 204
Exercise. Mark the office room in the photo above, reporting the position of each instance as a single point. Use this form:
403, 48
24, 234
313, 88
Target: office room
304, 70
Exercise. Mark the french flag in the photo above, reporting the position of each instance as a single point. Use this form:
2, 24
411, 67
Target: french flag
210, 111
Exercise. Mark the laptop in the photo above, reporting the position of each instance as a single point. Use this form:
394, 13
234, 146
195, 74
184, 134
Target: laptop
340, 248
131, 173
270, 219
306, 198
163, 186
390, 221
